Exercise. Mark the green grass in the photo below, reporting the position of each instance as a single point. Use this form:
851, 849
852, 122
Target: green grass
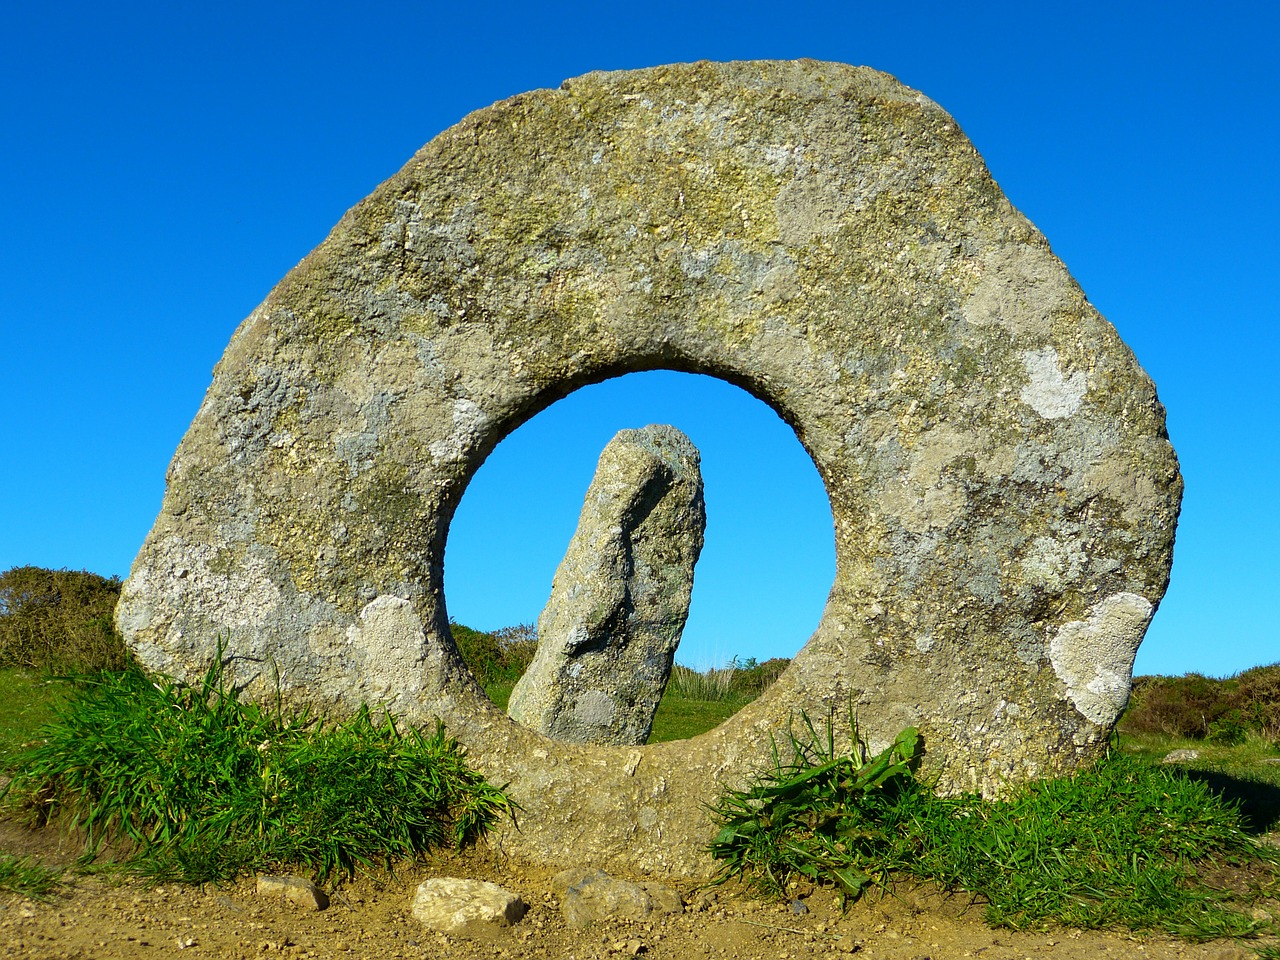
500, 693
696, 701
22, 876
1246, 773
27, 700
678, 718
1122, 844
205, 787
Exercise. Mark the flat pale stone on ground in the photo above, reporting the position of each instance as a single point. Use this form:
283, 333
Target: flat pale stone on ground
1003, 489
296, 890
466, 908
620, 598
589, 896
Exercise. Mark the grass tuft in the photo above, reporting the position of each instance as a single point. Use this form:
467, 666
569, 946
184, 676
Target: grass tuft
204, 786
1122, 844
22, 876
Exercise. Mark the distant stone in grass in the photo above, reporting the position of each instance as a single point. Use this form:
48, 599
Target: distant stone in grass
1181, 756
466, 908
296, 890
619, 601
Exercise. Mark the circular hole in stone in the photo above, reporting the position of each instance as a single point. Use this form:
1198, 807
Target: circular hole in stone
761, 581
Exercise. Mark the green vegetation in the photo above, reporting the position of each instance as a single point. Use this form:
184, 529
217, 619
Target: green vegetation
28, 702
20, 875
738, 682
694, 702
1246, 774
1196, 707
678, 719
204, 786
59, 621
496, 659
200, 786
1121, 844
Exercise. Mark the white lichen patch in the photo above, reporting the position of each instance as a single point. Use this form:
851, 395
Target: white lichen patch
594, 708
1094, 657
1048, 392
1053, 564
468, 422
388, 647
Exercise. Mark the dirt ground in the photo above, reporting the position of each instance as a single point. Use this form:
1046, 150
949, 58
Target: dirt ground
108, 919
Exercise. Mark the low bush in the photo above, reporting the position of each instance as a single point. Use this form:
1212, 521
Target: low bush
497, 658
205, 786
1257, 697
1175, 706
1197, 707
59, 621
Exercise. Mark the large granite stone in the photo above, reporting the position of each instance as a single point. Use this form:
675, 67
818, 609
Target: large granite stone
620, 598
1003, 490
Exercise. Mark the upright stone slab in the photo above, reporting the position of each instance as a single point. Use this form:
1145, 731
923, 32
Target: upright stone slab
1003, 489
620, 598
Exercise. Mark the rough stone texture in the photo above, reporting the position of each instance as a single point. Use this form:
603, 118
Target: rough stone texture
620, 598
297, 890
1002, 486
465, 908
588, 896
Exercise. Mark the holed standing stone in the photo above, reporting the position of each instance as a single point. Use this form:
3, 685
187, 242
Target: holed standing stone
620, 598
1003, 490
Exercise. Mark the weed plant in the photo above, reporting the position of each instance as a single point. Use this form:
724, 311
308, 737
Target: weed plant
1122, 844
819, 813
203, 786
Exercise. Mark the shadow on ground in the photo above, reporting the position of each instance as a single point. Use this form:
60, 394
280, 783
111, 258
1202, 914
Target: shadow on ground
1259, 801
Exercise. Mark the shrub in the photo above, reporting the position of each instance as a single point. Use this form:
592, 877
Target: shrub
753, 678
1198, 707
1175, 706
1230, 729
59, 621
499, 657
1257, 697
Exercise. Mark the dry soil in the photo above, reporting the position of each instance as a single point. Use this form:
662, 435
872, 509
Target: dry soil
110, 918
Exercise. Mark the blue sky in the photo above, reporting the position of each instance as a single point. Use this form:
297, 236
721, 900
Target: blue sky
163, 165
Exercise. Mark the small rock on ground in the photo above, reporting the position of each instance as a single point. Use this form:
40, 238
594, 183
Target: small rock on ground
296, 890
466, 908
588, 896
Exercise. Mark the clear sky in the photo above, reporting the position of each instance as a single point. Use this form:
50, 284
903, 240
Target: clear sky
163, 165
